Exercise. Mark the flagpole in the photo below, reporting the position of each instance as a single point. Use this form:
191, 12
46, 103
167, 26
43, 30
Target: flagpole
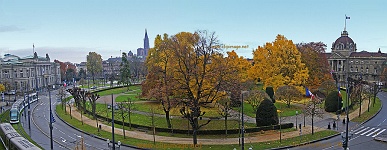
345, 23
33, 49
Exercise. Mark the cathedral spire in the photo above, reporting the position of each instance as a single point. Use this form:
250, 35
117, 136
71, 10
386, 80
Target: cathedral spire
146, 43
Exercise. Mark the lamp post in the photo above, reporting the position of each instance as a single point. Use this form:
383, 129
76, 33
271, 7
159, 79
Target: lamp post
279, 111
28, 97
296, 118
338, 98
243, 124
49, 99
113, 123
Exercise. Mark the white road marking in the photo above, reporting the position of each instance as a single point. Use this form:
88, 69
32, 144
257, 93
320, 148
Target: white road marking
72, 137
373, 132
63, 139
367, 131
362, 130
379, 133
61, 131
358, 129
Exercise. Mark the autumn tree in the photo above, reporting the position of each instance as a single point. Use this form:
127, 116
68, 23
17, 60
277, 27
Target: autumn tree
2, 88
199, 72
313, 56
94, 64
279, 63
288, 94
237, 67
160, 83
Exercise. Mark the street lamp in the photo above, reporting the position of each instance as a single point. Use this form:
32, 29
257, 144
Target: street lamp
49, 99
279, 112
296, 118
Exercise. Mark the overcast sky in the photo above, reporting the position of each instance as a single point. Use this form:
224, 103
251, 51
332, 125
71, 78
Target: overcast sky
68, 30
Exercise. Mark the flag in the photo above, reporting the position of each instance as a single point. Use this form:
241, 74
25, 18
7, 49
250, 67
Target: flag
346, 17
33, 45
52, 117
339, 91
308, 93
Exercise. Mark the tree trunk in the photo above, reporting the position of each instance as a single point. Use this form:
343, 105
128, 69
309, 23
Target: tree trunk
225, 123
130, 124
123, 123
194, 129
168, 119
93, 110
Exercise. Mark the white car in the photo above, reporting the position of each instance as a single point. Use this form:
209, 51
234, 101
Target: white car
11, 92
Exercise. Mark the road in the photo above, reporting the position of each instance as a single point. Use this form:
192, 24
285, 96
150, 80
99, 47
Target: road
64, 136
363, 135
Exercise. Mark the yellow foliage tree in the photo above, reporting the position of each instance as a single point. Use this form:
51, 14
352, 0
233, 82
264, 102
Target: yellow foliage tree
279, 63
2, 88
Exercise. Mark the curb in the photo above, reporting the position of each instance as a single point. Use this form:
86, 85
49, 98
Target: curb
95, 136
328, 137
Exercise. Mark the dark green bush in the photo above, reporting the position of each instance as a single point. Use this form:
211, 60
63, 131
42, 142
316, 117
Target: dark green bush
266, 113
331, 102
270, 92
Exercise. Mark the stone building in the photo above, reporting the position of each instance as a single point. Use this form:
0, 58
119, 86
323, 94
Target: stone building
344, 61
28, 73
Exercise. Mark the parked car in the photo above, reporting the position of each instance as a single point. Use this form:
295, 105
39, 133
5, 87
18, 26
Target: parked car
11, 92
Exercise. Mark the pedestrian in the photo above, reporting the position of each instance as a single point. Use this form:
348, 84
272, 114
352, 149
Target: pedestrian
334, 124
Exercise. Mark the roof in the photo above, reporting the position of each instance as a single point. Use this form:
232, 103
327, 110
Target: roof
344, 38
367, 54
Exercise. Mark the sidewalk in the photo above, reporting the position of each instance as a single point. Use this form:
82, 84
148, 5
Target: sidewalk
319, 125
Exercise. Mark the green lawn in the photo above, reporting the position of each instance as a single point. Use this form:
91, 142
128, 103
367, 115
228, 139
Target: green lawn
177, 121
124, 98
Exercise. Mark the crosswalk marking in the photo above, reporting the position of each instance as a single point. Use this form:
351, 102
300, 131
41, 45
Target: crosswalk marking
358, 129
367, 131
362, 130
373, 132
379, 133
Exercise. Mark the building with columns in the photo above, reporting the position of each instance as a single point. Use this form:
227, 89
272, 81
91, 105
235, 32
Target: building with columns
28, 73
345, 61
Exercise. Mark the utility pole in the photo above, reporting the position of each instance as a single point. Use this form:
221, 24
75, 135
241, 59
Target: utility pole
243, 126
49, 99
28, 97
114, 144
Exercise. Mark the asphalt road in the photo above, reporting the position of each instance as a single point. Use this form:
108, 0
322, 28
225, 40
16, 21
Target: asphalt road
64, 136
363, 135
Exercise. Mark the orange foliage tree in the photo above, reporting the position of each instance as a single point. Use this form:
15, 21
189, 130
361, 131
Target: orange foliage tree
279, 63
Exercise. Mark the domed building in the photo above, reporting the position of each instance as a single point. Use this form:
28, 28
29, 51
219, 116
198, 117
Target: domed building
344, 59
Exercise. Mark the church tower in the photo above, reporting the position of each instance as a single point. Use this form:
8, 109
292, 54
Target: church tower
146, 44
